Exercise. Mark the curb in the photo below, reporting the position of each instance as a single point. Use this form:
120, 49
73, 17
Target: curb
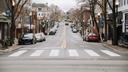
12, 48
116, 48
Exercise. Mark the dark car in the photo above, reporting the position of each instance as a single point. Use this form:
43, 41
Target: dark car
123, 39
66, 24
28, 38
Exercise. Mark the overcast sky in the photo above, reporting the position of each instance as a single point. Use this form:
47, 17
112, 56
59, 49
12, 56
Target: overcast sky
65, 5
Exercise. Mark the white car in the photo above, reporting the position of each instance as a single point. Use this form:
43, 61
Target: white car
53, 30
40, 37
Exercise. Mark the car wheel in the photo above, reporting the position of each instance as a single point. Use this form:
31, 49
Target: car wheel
44, 39
87, 40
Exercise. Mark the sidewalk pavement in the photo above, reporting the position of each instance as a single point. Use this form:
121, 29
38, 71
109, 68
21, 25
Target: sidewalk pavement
11, 48
119, 49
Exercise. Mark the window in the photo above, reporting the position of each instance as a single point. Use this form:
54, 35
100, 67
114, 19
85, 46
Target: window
126, 22
121, 3
124, 2
39, 9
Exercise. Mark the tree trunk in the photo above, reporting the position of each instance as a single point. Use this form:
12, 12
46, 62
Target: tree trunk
13, 27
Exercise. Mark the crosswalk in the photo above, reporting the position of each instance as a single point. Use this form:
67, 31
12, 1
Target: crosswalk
67, 52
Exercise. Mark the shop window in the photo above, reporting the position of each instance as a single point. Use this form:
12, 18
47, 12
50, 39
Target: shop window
124, 2
126, 22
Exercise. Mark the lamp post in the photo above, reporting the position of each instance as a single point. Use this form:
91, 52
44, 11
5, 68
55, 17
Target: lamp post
30, 15
115, 12
39, 24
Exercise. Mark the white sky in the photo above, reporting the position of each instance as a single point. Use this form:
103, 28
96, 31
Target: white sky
65, 5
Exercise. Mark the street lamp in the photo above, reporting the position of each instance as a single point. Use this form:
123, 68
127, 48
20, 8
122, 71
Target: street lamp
39, 24
117, 4
13, 3
115, 14
30, 15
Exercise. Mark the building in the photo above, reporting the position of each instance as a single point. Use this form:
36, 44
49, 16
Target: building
122, 18
4, 31
43, 15
123, 7
3, 6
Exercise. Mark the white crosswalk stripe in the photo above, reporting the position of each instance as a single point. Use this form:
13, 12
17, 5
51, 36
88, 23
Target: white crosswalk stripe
110, 53
54, 53
37, 53
91, 52
73, 52
18, 53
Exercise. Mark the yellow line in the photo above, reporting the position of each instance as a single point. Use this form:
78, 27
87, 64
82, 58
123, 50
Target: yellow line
64, 44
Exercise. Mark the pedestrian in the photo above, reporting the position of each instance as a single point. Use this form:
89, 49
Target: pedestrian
101, 25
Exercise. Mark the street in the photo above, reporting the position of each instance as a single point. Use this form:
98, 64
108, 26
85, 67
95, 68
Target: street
64, 52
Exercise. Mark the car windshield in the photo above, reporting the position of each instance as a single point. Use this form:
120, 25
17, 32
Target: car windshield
38, 35
28, 36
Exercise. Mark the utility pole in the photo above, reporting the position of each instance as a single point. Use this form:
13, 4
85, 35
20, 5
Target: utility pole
114, 36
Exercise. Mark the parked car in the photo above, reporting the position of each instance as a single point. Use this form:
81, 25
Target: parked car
92, 37
74, 30
53, 31
28, 38
66, 23
40, 37
123, 39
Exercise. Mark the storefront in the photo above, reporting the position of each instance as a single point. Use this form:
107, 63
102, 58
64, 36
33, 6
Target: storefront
125, 27
4, 30
119, 24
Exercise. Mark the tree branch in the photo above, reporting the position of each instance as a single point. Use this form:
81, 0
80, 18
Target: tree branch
17, 6
109, 5
20, 9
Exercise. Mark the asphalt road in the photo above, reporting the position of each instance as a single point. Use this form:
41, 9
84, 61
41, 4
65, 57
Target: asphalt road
64, 52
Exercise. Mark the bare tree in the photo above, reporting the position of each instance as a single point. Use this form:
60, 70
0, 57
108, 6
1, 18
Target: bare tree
15, 7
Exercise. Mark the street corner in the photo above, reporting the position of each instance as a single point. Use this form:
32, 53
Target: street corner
9, 49
118, 49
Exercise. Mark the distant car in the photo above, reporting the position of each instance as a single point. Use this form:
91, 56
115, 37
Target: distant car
28, 38
40, 37
66, 23
92, 37
74, 30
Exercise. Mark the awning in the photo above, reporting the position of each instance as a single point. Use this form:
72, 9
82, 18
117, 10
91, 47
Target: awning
4, 19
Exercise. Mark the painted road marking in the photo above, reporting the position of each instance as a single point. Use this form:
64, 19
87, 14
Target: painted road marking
73, 52
91, 52
54, 53
110, 53
18, 53
64, 43
37, 53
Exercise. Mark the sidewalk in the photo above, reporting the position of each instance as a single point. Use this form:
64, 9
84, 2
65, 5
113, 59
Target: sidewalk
11, 48
118, 49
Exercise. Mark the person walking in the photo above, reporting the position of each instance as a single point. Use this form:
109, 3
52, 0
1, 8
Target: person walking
101, 26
